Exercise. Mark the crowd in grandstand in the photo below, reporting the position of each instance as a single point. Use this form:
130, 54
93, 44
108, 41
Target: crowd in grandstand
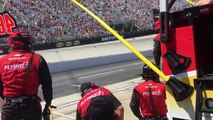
54, 20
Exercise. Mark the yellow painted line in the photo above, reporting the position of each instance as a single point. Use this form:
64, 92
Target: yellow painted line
127, 44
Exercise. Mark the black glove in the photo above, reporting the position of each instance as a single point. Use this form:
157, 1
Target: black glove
46, 112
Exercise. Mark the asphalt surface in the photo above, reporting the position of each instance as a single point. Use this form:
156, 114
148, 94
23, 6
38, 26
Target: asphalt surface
119, 78
67, 83
66, 106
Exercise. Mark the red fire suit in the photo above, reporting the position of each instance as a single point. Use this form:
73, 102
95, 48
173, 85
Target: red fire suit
141, 99
86, 100
21, 72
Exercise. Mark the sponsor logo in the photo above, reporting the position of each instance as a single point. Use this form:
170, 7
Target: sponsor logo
16, 66
109, 38
68, 43
97, 93
76, 42
17, 58
59, 44
154, 93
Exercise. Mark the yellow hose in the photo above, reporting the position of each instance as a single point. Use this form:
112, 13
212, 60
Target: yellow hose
127, 44
190, 2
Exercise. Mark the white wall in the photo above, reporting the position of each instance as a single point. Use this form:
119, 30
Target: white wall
71, 58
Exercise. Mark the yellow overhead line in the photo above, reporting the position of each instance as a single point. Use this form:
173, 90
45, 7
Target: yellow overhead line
127, 44
191, 2
180, 90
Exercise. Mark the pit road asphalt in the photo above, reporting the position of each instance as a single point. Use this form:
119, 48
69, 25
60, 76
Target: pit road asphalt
66, 106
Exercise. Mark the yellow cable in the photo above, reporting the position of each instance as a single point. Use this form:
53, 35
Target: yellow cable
190, 2
127, 44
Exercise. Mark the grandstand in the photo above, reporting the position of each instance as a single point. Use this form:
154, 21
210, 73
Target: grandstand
54, 20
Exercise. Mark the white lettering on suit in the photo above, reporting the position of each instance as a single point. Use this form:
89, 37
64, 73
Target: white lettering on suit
16, 66
98, 93
154, 92
17, 58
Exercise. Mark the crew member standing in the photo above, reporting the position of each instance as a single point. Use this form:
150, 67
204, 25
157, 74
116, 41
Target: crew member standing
157, 45
98, 103
21, 73
149, 97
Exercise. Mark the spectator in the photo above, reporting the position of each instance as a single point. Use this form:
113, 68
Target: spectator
21, 72
98, 103
47, 18
150, 97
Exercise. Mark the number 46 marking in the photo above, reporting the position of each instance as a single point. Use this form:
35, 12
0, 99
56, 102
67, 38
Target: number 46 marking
7, 23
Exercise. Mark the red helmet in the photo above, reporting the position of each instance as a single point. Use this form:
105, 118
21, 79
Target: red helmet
157, 25
20, 40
